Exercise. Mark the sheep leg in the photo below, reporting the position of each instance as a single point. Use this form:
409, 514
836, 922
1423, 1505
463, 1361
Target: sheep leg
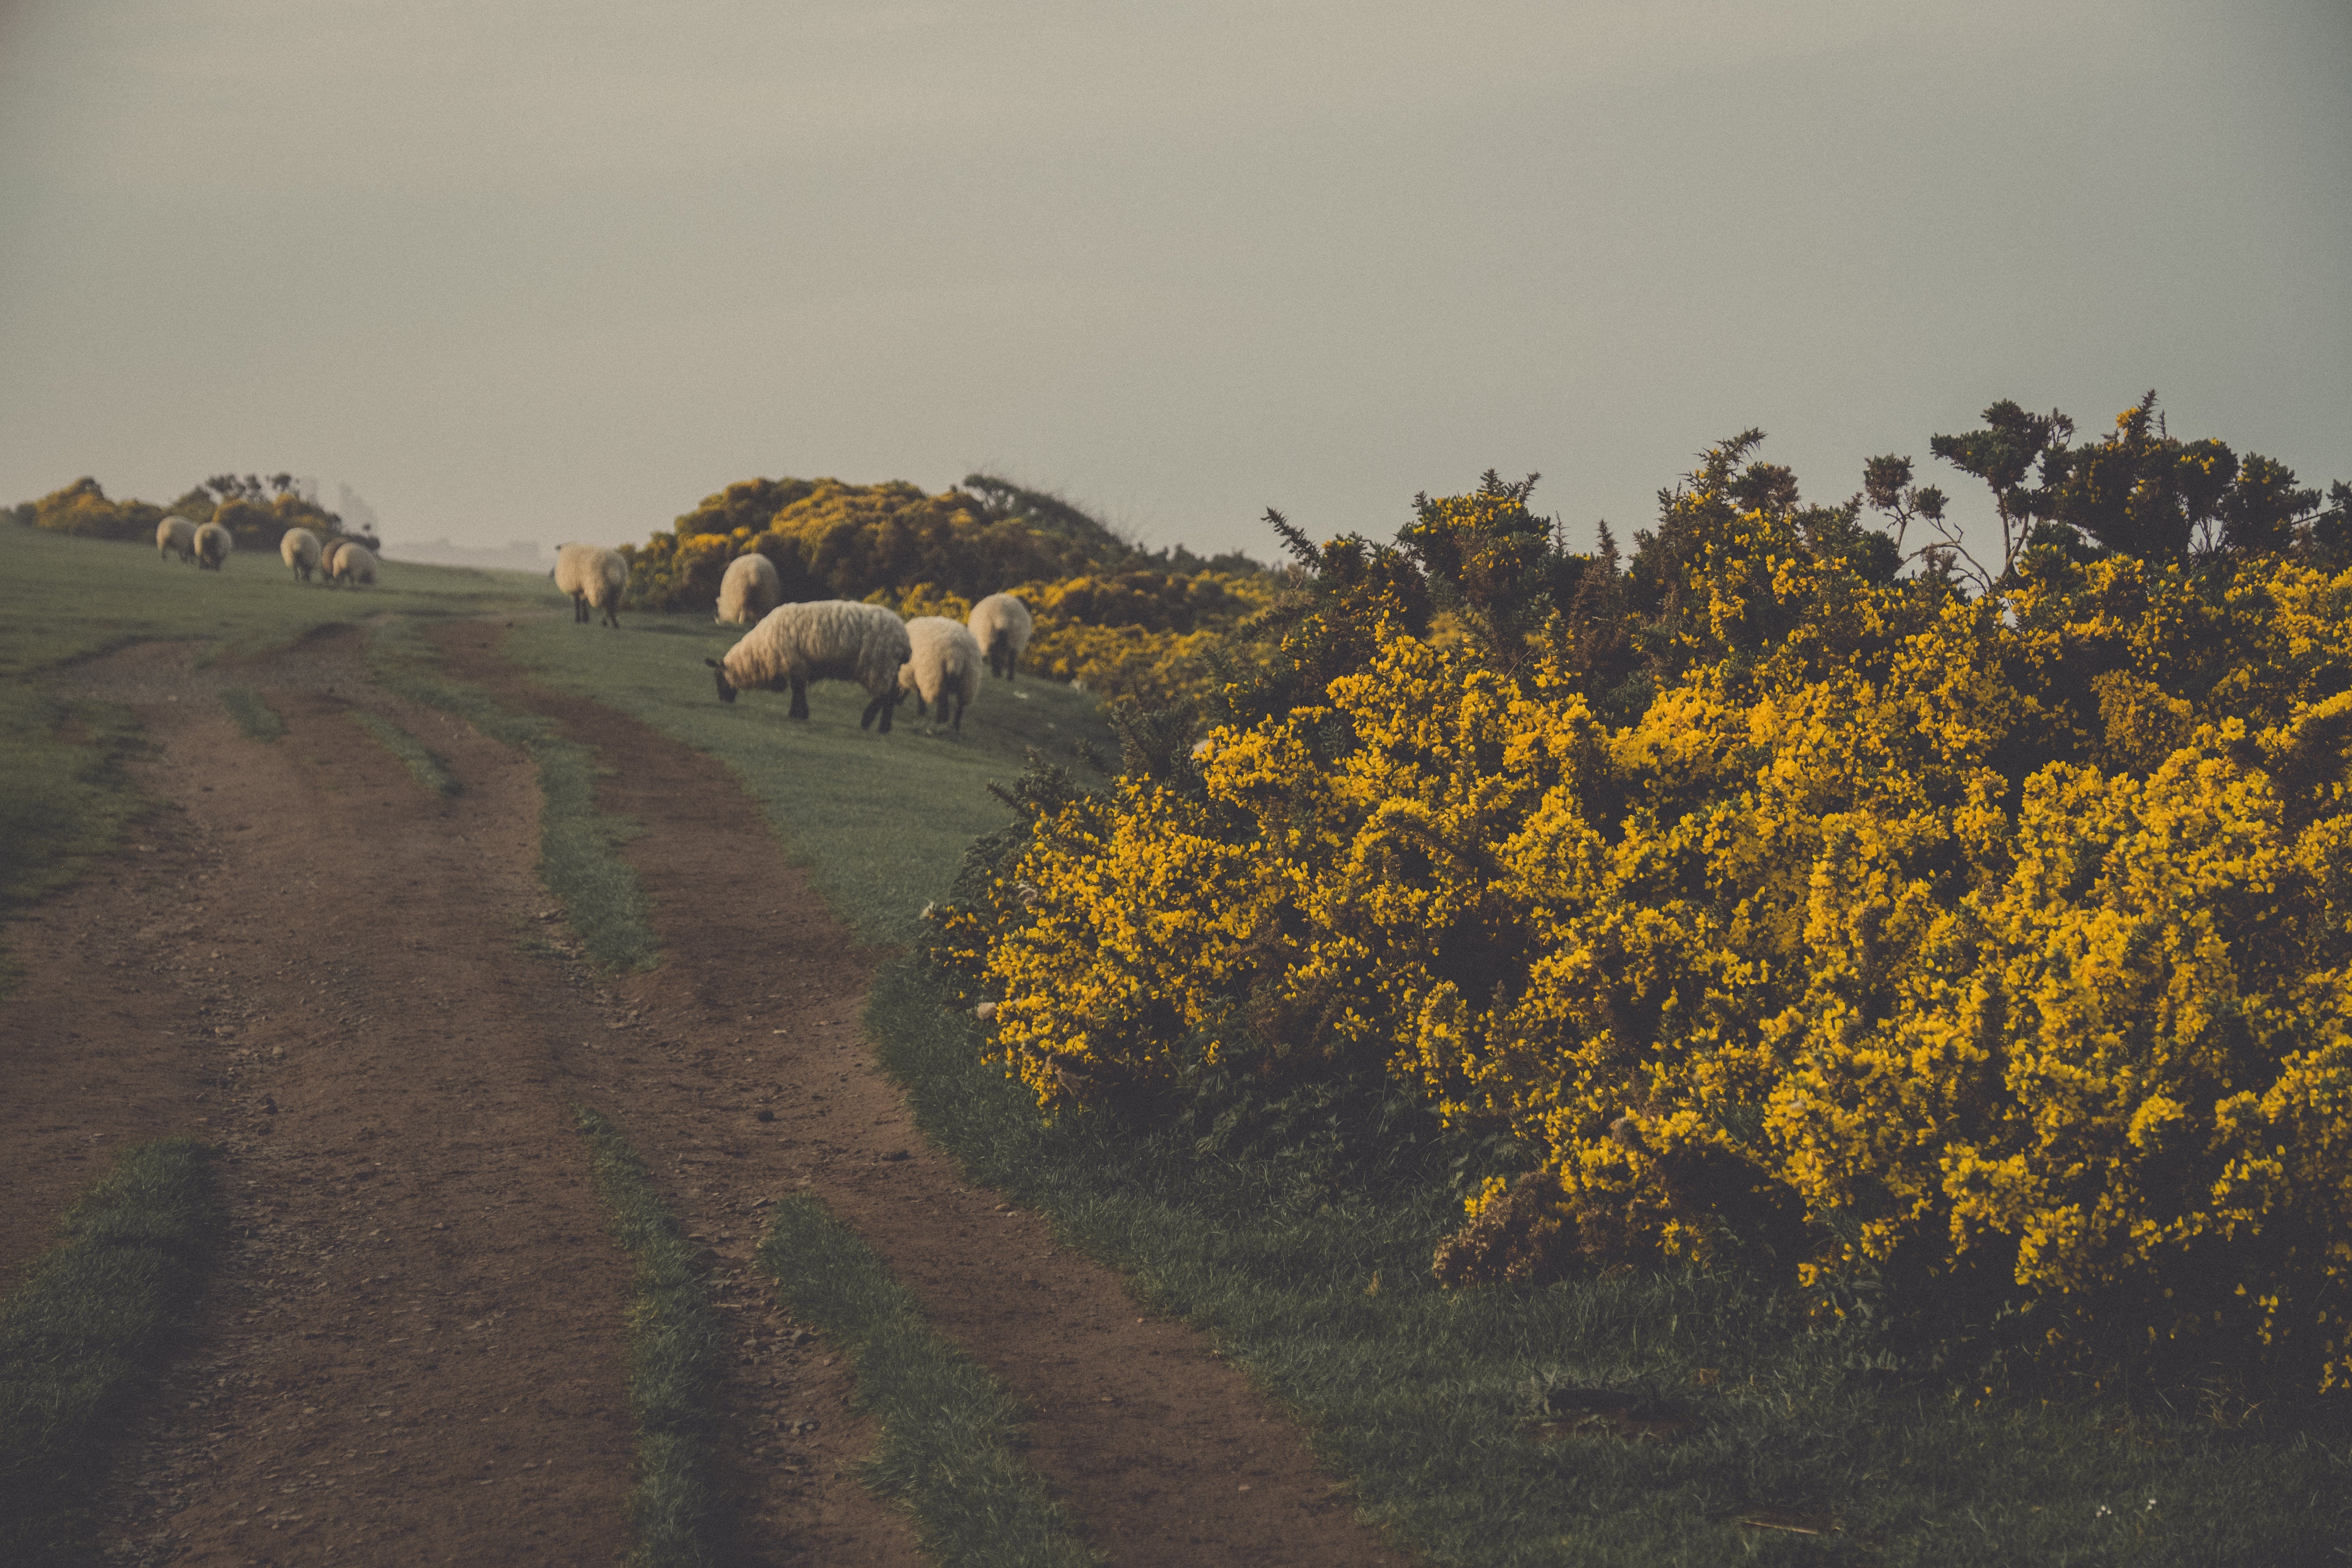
800, 696
579, 608
866, 721
889, 706
959, 713
613, 615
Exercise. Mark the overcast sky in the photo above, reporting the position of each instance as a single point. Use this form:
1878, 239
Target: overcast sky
556, 271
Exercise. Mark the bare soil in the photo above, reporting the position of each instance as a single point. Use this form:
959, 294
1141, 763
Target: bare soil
414, 1352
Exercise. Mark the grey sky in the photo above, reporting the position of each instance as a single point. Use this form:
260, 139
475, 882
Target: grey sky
557, 271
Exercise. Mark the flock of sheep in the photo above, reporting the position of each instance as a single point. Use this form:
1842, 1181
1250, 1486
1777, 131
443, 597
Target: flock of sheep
931, 658
208, 546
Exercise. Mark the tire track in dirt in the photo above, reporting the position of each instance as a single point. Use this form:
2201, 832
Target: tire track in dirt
412, 1350
1167, 1453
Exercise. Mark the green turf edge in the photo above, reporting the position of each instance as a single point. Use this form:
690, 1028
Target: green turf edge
673, 1349
952, 1439
424, 765
89, 1333
603, 900
65, 793
253, 713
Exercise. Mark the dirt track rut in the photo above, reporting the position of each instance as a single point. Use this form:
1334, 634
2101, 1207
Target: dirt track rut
414, 1353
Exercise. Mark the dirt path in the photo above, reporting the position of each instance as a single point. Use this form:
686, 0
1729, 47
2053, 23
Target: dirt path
414, 1352
1167, 1454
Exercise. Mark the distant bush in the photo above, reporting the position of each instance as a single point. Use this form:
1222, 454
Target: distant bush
256, 513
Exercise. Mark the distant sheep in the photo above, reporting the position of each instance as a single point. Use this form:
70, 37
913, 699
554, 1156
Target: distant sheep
829, 639
593, 576
301, 550
175, 536
353, 564
1001, 625
945, 663
750, 590
213, 545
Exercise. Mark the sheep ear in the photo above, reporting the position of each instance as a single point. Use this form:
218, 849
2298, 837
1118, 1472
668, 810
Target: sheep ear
712, 662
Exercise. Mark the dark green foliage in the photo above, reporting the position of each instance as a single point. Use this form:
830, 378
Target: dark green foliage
89, 1333
675, 1344
951, 1438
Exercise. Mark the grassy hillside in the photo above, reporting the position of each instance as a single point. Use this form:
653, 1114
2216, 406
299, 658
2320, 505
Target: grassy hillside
880, 820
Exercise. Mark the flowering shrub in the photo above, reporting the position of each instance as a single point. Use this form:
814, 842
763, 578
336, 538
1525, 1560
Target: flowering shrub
2000, 946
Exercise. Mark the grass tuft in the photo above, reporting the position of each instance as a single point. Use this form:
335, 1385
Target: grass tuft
89, 1333
425, 765
604, 902
673, 1349
951, 1432
253, 713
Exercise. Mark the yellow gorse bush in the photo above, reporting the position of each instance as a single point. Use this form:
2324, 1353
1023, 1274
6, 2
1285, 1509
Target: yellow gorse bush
1938, 937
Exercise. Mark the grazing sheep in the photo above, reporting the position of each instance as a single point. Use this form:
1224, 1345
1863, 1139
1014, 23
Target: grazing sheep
750, 590
593, 576
175, 535
213, 545
301, 550
945, 663
1001, 625
352, 564
828, 640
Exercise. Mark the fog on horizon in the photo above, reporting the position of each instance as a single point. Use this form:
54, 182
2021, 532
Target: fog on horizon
535, 272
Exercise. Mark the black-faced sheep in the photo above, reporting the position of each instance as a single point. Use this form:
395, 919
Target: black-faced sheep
350, 563
176, 536
944, 664
1001, 625
213, 545
301, 551
829, 639
595, 577
750, 590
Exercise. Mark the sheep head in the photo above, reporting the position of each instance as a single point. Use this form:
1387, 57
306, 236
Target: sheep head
726, 687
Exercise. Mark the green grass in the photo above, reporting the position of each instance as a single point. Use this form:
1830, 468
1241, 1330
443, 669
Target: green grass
423, 764
253, 713
951, 1432
72, 599
579, 859
65, 793
1427, 1399
88, 1334
673, 1349
880, 821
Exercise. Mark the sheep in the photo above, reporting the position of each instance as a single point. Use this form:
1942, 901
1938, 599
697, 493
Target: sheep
352, 563
1001, 625
213, 546
300, 548
945, 662
750, 590
826, 639
593, 576
175, 535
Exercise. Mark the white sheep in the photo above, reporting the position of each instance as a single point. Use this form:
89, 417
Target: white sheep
175, 536
300, 548
593, 576
826, 639
945, 663
213, 545
750, 590
1001, 625
352, 564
